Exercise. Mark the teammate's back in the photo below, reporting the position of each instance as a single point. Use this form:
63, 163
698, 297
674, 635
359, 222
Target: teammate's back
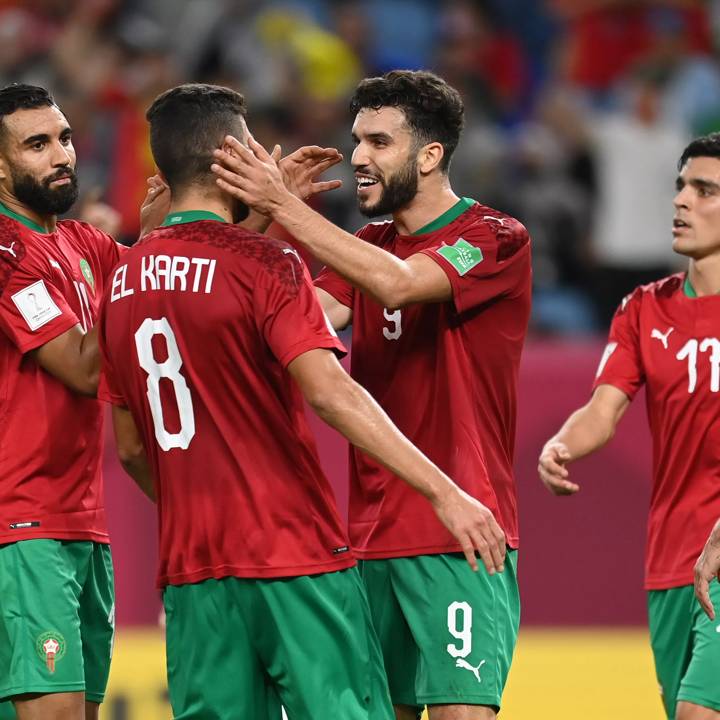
213, 314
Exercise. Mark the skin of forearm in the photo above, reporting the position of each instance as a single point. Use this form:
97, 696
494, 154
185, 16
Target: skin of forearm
90, 361
139, 470
353, 413
372, 270
585, 431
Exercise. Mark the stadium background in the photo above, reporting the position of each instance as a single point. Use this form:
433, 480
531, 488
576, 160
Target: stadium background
576, 113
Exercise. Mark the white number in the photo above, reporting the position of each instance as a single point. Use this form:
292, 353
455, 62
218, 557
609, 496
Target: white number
464, 634
396, 319
81, 291
169, 369
690, 351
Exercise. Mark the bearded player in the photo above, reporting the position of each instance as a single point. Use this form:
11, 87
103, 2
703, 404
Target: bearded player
666, 336
56, 580
439, 300
211, 336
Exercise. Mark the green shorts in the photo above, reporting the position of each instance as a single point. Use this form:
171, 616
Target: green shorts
240, 647
447, 633
686, 646
57, 617
7, 711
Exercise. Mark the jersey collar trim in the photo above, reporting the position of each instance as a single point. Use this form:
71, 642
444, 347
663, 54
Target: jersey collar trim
4, 210
688, 289
447, 217
188, 216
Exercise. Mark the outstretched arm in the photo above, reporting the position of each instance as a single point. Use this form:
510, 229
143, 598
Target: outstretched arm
252, 176
347, 407
584, 432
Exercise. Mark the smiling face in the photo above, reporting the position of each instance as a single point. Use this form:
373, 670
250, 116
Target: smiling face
37, 160
696, 225
385, 161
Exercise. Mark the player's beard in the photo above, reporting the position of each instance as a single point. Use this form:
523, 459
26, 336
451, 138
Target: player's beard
40, 197
397, 192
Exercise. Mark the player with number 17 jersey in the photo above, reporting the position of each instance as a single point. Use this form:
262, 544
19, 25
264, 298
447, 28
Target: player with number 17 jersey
446, 373
213, 315
666, 338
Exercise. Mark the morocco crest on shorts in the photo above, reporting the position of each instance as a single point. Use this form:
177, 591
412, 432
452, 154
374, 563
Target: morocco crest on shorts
50, 647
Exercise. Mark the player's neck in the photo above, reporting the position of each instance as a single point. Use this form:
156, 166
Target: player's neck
429, 204
47, 222
192, 200
704, 275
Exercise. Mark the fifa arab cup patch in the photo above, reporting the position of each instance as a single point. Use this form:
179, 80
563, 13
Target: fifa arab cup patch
461, 255
50, 647
36, 305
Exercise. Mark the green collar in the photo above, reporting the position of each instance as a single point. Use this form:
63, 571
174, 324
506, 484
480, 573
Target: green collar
188, 216
447, 217
688, 289
4, 210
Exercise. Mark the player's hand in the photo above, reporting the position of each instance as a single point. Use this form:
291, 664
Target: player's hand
553, 471
155, 206
250, 174
707, 568
474, 527
301, 169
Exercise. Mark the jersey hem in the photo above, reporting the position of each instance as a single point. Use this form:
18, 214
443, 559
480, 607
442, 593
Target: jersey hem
294, 352
365, 554
254, 573
9, 539
459, 698
674, 581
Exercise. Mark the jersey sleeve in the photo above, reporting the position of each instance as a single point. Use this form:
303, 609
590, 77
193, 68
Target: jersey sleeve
490, 260
33, 309
329, 281
621, 362
288, 312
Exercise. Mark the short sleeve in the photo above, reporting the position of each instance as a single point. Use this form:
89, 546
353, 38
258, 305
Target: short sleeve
490, 260
621, 362
288, 312
33, 309
329, 281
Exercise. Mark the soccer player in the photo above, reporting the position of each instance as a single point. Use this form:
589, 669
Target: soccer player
439, 299
666, 336
210, 337
56, 580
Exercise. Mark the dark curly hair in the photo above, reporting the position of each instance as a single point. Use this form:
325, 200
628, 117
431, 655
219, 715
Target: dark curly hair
187, 123
22, 97
705, 146
434, 110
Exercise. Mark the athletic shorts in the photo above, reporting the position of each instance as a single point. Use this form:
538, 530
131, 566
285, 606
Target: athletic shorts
447, 633
686, 646
7, 711
57, 617
239, 648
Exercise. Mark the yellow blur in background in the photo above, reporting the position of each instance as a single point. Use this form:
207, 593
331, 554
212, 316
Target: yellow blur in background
557, 674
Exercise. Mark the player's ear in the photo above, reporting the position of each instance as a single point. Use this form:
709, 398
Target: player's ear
430, 157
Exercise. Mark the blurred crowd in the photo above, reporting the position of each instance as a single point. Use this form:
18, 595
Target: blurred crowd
576, 110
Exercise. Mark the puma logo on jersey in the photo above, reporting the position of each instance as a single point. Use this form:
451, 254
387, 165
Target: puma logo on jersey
55, 264
494, 219
9, 249
465, 665
292, 251
663, 338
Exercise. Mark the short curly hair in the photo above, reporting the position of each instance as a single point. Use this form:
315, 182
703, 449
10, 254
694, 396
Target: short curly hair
434, 109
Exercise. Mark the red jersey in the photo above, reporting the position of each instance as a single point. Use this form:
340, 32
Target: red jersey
446, 374
51, 439
200, 323
669, 341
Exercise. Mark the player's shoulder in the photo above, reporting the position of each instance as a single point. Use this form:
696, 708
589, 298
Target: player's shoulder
15, 251
482, 224
374, 232
659, 291
84, 232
